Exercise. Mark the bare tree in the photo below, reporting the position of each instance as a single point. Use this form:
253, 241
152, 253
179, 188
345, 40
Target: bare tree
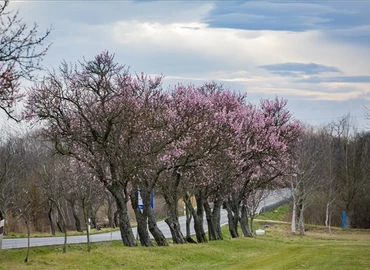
328, 137
304, 179
253, 201
52, 174
21, 52
346, 168
11, 167
23, 207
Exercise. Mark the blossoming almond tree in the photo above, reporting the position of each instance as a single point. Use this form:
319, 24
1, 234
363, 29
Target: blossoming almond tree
203, 179
261, 150
151, 139
187, 112
91, 112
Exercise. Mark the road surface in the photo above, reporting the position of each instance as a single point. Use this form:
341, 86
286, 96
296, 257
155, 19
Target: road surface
272, 199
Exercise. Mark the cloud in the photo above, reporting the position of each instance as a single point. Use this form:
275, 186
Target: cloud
296, 69
341, 20
336, 79
180, 36
244, 60
262, 48
292, 16
221, 49
102, 12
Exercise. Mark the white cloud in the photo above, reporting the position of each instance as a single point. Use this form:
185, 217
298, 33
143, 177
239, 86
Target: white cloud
240, 49
294, 7
193, 52
174, 38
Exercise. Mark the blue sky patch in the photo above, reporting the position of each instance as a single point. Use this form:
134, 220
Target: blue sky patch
336, 79
292, 69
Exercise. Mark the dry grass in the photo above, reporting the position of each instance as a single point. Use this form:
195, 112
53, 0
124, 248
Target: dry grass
278, 249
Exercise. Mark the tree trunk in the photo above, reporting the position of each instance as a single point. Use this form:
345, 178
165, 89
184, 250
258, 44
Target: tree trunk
302, 195
213, 219
51, 223
111, 218
28, 239
110, 211
173, 218
63, 225
142, 228
119, 195
92, 216
84, 211
251, 224
233, 217
88, 227
188, 221
75, 216
327, 224
116, 219
60, 222
198, 216
141, 219
65, 236
159, 238
301, 220
294, 209
327, 217
199, 230
244, 222
294, 218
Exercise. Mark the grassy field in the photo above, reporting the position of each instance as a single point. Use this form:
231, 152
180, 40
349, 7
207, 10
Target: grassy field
279, 214
278, 249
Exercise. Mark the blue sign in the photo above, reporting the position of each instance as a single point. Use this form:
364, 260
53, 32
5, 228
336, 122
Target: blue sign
344, 219
140, 200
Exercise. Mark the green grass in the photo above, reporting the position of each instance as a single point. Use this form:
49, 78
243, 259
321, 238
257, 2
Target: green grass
279, 214
278, 249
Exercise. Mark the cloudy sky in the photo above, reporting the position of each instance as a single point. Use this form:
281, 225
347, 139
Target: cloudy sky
315, 54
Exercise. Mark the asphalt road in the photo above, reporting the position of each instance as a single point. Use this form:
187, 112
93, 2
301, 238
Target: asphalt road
273, 198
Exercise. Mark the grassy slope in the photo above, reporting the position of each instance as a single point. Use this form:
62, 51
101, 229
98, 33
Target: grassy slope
278, 249
279, 214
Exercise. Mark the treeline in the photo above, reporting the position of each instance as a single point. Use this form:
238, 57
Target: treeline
130, 134
332, 176
43, 190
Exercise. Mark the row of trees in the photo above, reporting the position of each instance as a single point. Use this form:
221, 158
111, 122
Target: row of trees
34, 178
126, 133
118, 133
46, 192
185, 141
